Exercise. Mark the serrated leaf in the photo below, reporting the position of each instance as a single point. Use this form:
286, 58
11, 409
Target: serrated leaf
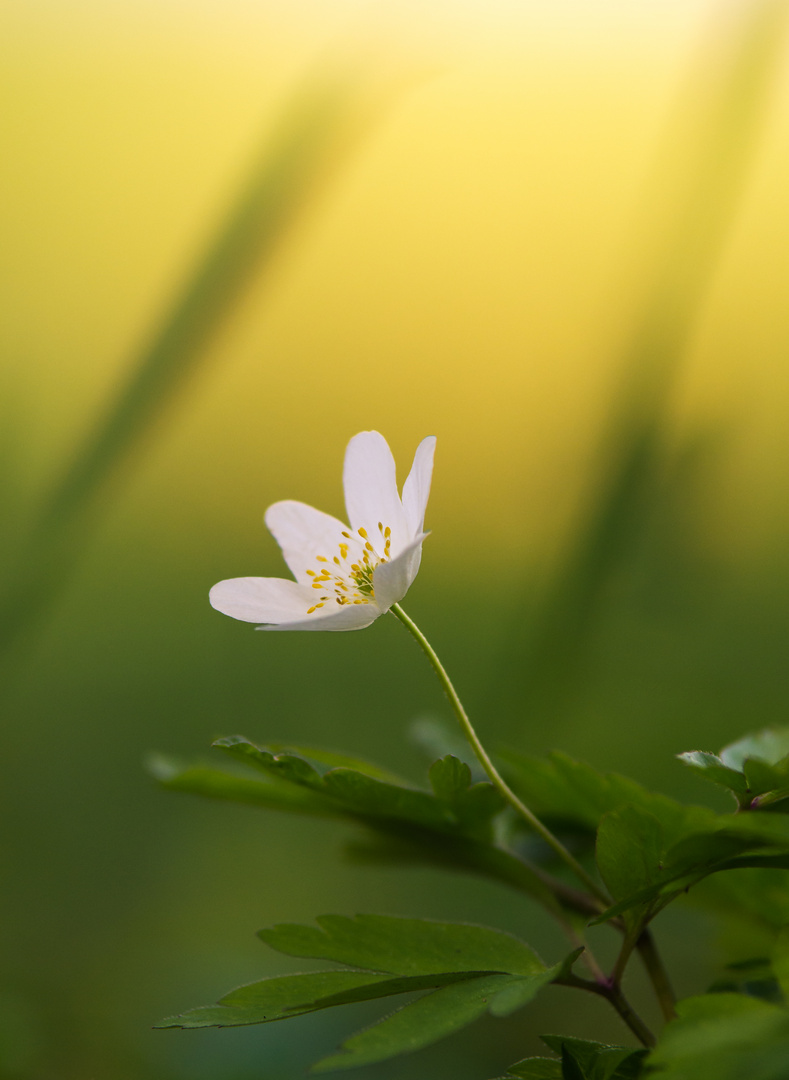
405, 946
712, 768
746, 840
471, 806
330, 759
277, 998
595, 1060
363, 795
755, 768
356, 792
288, 767
571, 1069
205, 780
419, 1023
449, 777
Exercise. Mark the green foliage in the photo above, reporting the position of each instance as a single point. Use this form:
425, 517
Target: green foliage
360, 792
404, 946
580, 1059
649, 850
755, 769
569, 792
755, 977
467, 971
630, 847
724, 1037
451, 826
747, 840
535, 1068
199, 779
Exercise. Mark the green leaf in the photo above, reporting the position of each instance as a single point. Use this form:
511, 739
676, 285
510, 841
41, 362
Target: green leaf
371, 798
277, 998
198, 779
330, 759
472, 806
288, 767
563, 790
405, 946
357, 792
755, 899
406, 984
450, 778
521, 991
536, 1068
755, 768
711, 767
770, 746
724, 1037
571, 1069
629, 851
595, 1060
420, 1023
734, 843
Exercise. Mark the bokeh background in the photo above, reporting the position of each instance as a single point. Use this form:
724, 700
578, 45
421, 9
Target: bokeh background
554, 235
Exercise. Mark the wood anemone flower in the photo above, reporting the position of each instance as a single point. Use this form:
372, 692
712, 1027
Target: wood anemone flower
346, 575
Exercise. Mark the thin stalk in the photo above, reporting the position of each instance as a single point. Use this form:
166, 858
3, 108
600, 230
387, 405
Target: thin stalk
496, 779
658, 976
628, 944
614, 996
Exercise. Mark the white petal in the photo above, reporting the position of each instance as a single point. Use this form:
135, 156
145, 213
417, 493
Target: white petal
371, 496
255, 599
392, 580
348, 617
304, 533
283, 605
417, 487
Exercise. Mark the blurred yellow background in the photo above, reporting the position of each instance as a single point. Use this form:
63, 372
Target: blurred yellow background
470, 270
479, 262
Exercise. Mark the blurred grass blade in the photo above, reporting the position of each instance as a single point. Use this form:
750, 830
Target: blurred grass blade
692, 198
313, 132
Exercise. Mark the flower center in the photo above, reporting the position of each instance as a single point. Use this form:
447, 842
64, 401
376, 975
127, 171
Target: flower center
350, 582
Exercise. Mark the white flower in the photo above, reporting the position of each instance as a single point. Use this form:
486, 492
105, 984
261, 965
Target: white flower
345, 576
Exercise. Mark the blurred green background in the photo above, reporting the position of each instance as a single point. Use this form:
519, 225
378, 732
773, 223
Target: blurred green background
553, 235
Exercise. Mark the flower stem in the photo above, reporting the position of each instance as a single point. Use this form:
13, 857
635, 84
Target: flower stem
496, 779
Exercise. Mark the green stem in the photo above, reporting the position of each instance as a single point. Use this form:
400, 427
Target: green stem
496, 779
629, 943
657, 973
617, 999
